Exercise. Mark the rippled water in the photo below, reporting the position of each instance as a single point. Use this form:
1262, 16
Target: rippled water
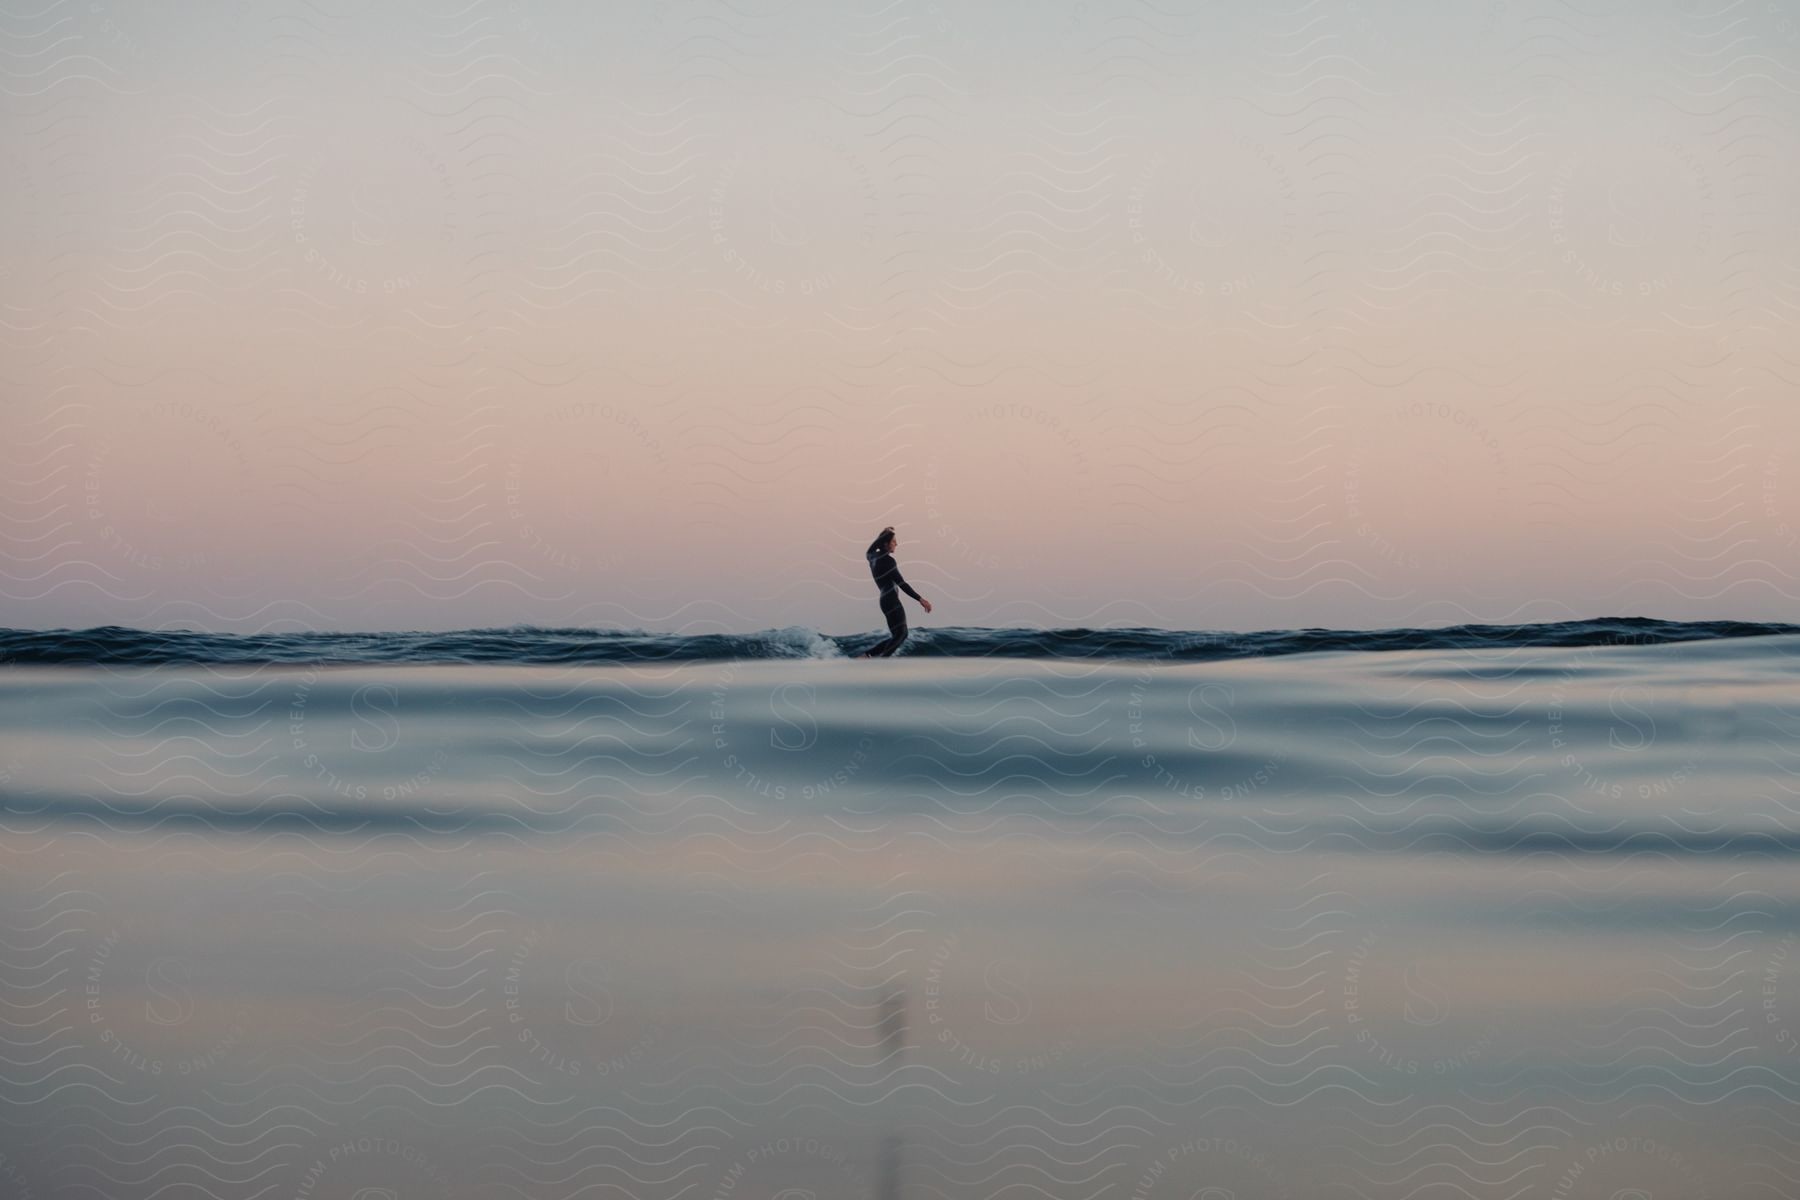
1508, 921
115, 646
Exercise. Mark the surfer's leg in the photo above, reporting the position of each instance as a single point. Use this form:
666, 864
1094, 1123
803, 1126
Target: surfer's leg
896, 619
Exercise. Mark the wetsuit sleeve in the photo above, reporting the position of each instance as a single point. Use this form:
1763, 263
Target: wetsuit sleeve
875, 546
901, 580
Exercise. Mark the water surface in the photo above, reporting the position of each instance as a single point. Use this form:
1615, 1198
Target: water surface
1500, 920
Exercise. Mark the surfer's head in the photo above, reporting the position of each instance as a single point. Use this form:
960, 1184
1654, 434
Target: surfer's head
891, 539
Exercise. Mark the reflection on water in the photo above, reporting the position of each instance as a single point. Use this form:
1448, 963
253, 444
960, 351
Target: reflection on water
1495, 923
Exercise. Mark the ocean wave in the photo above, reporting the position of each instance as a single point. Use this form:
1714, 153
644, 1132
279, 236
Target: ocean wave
117, 646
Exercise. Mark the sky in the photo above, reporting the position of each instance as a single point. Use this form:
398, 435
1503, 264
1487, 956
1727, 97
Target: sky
346, 315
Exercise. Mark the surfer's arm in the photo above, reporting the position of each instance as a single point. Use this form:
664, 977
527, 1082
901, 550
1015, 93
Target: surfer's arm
875, 546
908, 588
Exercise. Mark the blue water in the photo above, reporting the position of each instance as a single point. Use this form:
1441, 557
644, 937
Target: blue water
1505, 911
525, 644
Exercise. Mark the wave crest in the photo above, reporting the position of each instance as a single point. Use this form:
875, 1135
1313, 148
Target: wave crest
117, 646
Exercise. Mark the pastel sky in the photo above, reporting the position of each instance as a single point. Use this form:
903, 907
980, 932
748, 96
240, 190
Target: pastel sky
364, 315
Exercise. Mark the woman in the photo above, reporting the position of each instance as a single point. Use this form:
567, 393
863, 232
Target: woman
887, 577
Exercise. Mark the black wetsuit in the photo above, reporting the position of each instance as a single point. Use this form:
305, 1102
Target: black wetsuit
887, 577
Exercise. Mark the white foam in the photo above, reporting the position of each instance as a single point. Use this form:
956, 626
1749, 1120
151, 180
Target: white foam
806, 642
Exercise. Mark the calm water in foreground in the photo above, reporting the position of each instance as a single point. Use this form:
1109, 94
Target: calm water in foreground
1503, 922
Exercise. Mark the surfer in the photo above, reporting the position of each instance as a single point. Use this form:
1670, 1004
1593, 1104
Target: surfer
887, 577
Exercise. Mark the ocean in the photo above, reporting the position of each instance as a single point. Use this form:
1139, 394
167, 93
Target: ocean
1492, 911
